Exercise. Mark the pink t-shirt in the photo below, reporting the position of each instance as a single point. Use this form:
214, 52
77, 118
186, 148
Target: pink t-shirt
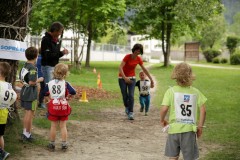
129, 67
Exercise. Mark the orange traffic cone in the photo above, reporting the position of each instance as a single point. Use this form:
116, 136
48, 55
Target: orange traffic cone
99, 83
84, 97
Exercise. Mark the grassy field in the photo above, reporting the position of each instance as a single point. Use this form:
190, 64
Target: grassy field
220, 86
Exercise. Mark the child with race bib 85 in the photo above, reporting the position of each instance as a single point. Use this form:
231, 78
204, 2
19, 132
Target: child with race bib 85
7, 97
183, 102
59, 91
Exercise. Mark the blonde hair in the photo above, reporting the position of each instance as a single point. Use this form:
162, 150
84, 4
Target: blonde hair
60, 71
183, 74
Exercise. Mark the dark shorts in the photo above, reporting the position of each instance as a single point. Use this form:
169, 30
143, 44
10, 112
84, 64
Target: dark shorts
184, 142
2, 129
29, 105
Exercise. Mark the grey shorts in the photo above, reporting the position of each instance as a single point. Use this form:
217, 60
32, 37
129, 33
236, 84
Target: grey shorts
29, 105
186, 142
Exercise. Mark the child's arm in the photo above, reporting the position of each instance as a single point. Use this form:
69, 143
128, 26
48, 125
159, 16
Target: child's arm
148, 74
33, 83
163, 113
70, 89
201, 120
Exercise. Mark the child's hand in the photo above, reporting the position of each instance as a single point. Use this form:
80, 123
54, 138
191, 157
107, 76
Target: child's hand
69, 97
164, 123
152, 84
40, 79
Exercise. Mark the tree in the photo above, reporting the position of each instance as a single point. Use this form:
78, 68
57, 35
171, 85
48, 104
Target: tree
234, 28
13, 25
212, 32
89, 19
167, 20
232, 43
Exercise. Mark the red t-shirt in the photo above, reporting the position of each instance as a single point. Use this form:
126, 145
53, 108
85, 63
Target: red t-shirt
129, 67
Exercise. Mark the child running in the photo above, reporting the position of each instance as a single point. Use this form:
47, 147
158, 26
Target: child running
29, 91
7, 98
59, 91
183, 102
144, 92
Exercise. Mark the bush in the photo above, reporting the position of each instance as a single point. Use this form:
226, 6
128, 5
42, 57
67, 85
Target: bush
216, 60
235, 59
224, 60
209, 54
232, 43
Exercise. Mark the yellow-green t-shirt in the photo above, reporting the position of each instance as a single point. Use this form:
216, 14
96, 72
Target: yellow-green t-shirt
184, 104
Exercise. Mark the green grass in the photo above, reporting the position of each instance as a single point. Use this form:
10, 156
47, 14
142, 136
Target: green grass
220, 86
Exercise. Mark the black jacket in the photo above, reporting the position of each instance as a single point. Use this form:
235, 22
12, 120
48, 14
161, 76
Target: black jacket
50, 51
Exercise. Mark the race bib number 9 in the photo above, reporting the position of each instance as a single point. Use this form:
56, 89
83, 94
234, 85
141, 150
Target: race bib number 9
7, 95
185, 107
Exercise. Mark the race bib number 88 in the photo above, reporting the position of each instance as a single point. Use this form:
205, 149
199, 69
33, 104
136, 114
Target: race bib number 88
185, 107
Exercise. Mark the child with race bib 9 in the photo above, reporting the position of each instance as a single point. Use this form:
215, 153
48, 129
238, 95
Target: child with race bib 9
7, 98
144, 92
59, 91
183, 102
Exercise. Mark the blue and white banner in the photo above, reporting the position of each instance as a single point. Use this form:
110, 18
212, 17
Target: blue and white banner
12, 49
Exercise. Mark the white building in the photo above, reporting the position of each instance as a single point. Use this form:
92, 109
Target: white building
149, 45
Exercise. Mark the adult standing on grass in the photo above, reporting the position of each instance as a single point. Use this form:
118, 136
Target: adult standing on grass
183, 102
50, 50
127, 79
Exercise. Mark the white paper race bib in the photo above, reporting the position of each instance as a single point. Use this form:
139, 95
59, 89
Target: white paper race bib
57, 89
7, 95
144, 87
185, 108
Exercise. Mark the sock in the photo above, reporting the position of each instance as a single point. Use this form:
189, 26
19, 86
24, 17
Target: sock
24, 130
64, 143
52, 142
27, 134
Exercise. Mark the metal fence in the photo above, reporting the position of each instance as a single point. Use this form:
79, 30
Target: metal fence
99, 51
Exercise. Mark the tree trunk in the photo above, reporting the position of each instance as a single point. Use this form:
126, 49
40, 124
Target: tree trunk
13, 26
90, 32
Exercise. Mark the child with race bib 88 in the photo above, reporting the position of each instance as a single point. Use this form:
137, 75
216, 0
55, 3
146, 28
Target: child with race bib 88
183, 102
59, 91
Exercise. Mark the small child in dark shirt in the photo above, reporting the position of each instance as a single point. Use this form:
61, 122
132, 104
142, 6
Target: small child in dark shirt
144, 92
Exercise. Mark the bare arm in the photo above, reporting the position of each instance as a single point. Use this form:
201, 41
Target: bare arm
149, 76
127, 80
201, 120
163, 113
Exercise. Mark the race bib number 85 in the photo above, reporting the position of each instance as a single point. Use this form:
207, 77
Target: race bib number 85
185, 107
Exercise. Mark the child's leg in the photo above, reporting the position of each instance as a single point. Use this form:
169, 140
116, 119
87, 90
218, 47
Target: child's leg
147, 103
1, 142
63, 127
27, 120
141, 100
53, 130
